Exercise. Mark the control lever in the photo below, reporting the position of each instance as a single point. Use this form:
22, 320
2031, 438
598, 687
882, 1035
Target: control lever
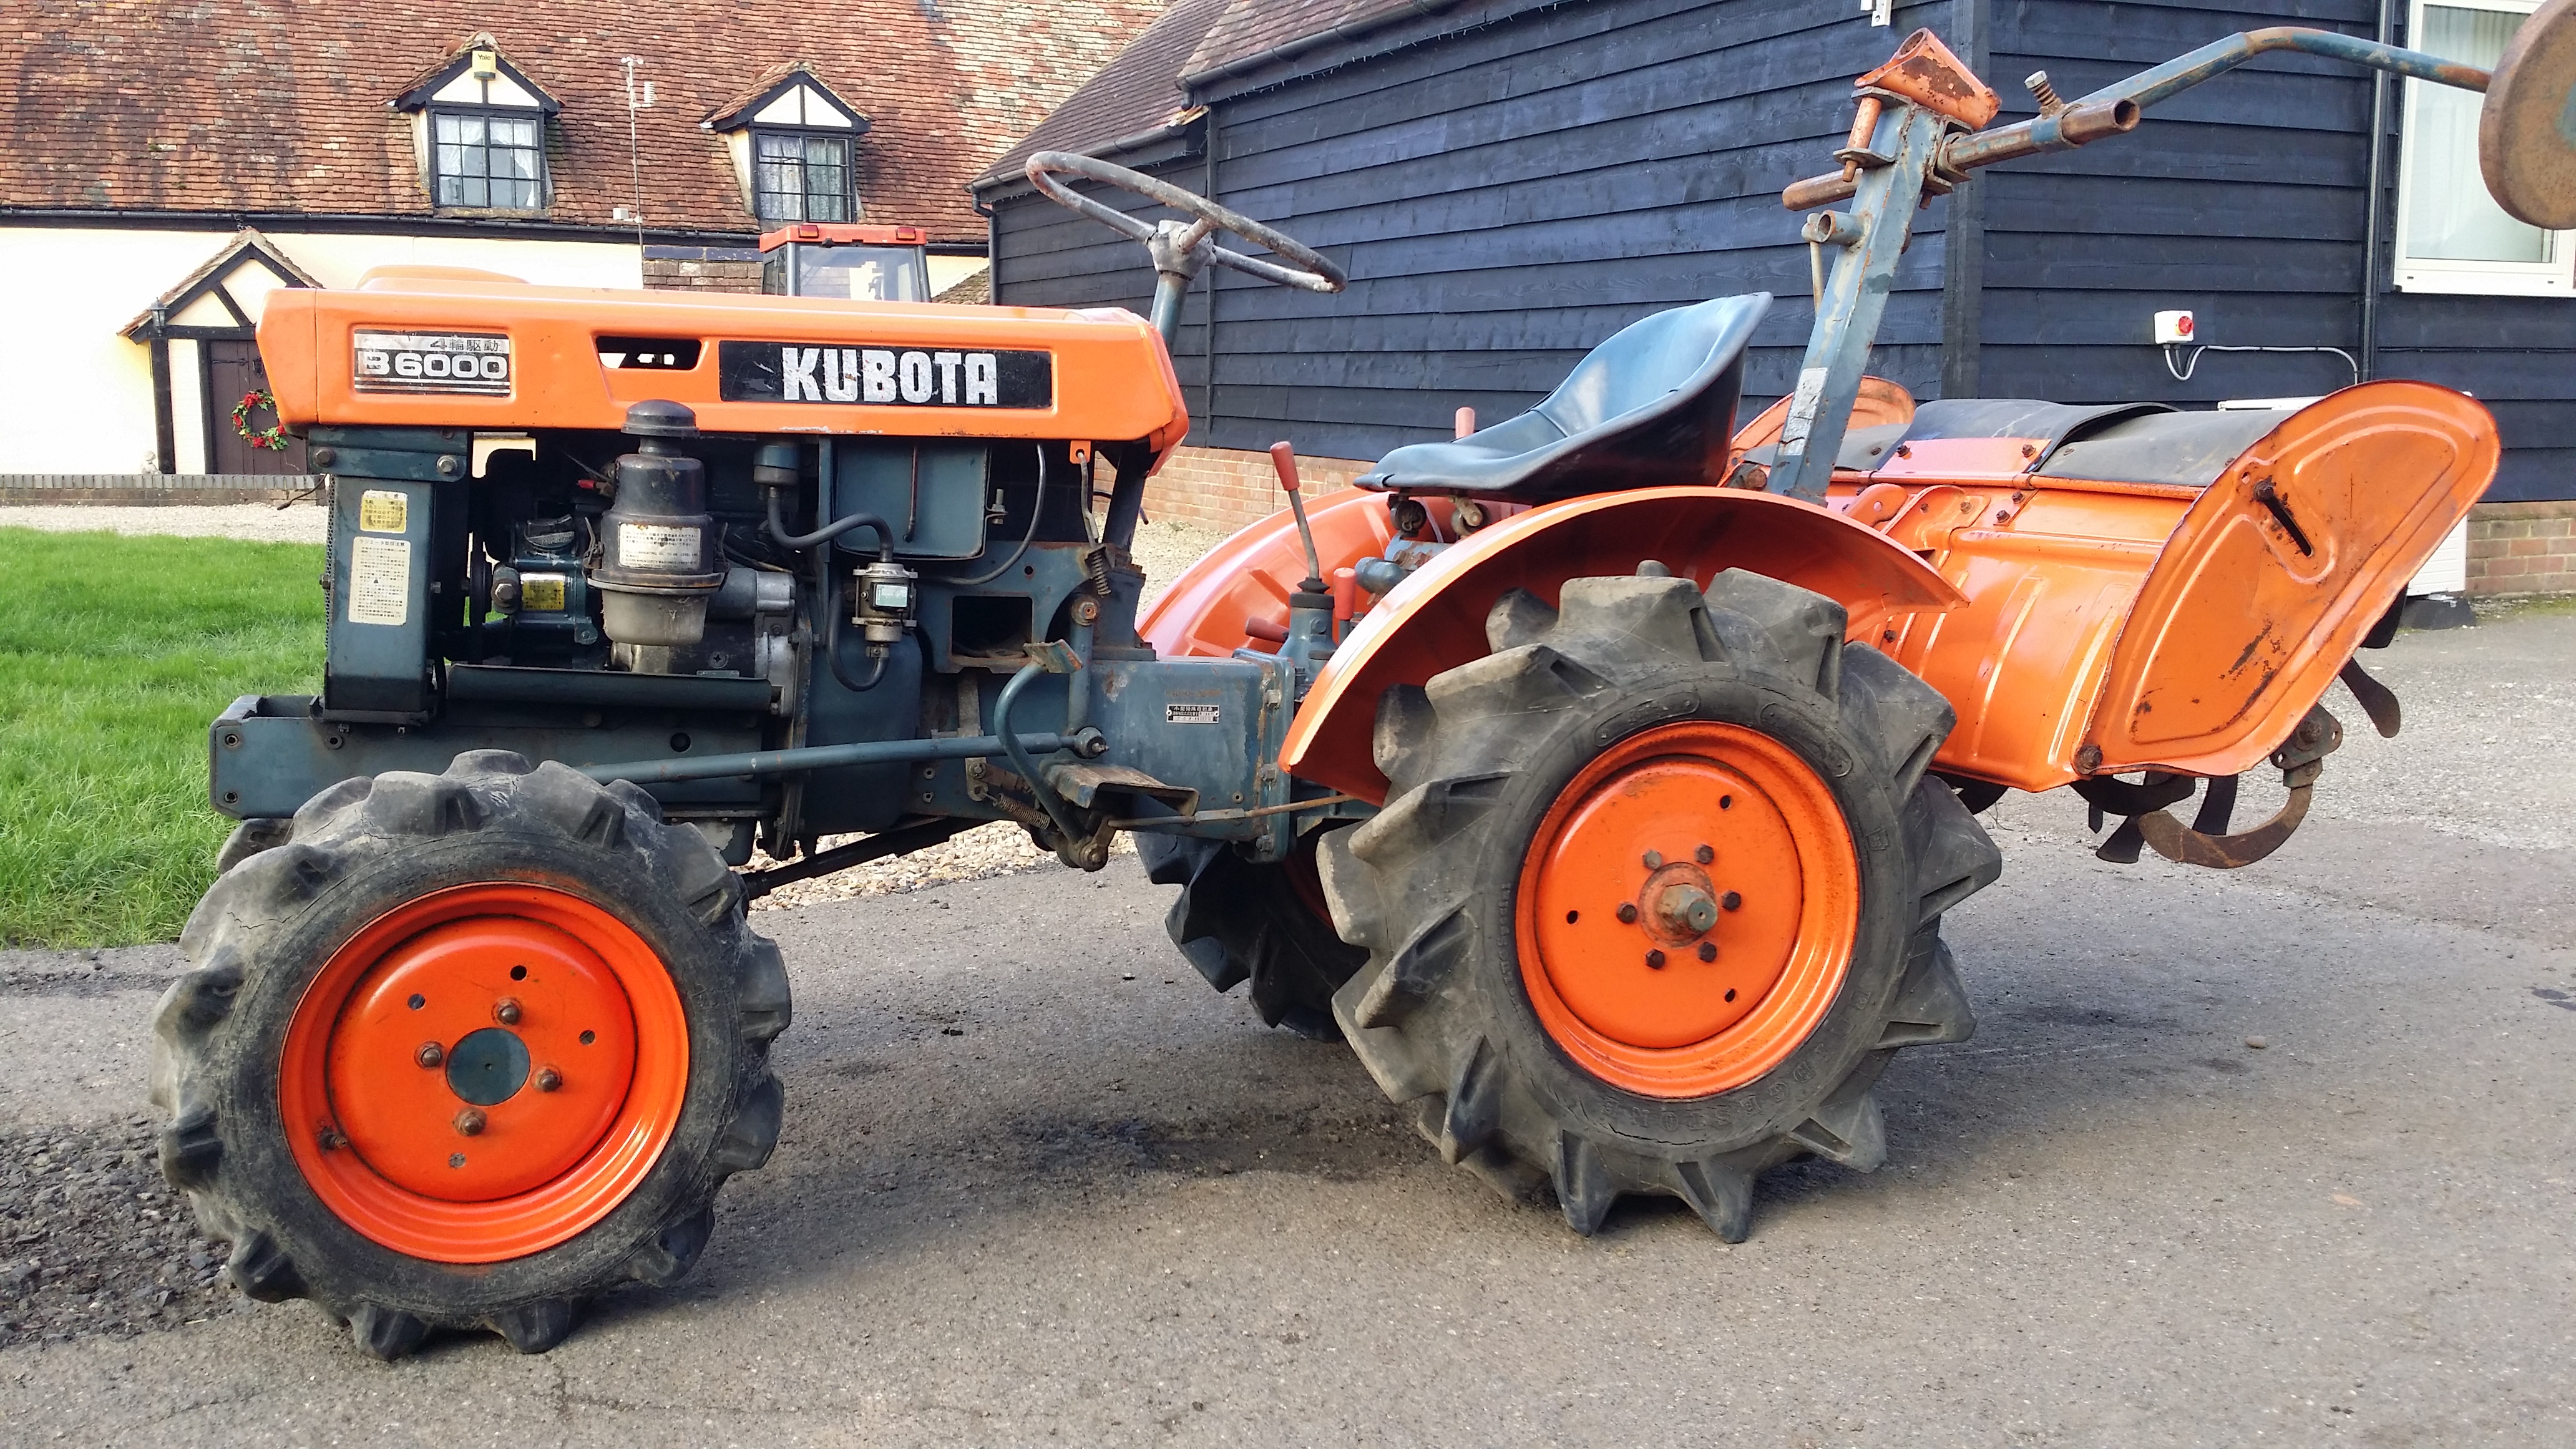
1283, 458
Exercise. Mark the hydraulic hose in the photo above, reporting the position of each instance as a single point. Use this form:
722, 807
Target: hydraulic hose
1020, 759
779, 535
832, 601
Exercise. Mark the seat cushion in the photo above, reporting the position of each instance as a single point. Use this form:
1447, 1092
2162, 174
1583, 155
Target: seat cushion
1655, 404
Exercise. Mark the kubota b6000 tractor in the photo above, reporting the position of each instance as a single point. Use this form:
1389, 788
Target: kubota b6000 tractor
1602, 776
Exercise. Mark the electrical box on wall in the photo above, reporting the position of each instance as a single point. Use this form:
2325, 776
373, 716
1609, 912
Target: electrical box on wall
2173, 328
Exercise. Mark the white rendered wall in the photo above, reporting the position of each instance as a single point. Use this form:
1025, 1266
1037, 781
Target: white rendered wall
82, 393
946, 272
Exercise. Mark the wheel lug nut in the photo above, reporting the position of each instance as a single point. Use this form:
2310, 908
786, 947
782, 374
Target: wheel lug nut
1627, 913
470, 1121
1708, 950
1731, 900
506, 1011
1704, 855
548, 1079
430, 1054
1654, 860
1655, 959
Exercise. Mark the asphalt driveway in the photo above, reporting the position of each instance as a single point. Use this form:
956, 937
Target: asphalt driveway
1039, 1185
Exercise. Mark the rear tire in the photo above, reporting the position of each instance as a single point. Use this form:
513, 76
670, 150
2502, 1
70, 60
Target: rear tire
1241, 920
319, 1139
1656, 894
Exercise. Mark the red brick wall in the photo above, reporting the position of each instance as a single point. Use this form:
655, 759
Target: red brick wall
2522, 548
688, 276
1227, 488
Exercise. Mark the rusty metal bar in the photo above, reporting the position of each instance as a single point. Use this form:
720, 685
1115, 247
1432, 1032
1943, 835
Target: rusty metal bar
1855, 297
2147, 87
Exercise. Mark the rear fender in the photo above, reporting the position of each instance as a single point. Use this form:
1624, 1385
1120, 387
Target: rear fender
1435, 619
1251, 575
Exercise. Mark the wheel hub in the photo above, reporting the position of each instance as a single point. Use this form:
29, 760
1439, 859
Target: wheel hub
488, 1067
1686, 909
483, 1072
454, 984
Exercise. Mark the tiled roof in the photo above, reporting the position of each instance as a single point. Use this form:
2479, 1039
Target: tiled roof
1253, 28
1131, 95
1194, 40
275, 108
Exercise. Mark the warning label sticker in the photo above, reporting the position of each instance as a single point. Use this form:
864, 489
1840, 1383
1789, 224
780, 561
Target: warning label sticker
1193, 714
541, 593
380, 511
380, 581
658, 546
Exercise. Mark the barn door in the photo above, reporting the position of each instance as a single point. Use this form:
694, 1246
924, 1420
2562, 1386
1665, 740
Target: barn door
232, 370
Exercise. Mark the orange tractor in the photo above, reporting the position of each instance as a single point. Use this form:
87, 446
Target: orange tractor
1601, 775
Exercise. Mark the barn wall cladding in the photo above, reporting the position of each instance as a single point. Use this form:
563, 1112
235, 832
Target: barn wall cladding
1508, 184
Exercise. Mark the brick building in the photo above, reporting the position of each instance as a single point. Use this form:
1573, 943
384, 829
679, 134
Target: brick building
169, 166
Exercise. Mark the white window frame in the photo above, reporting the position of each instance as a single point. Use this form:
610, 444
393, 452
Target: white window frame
2553, 278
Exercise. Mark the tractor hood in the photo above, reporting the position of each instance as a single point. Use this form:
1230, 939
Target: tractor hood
449, 348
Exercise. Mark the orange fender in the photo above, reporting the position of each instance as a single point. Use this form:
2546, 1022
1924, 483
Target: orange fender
1436, 618
1251, 574
1880, 402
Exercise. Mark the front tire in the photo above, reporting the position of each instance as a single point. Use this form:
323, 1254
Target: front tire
1656, 893
467, 1050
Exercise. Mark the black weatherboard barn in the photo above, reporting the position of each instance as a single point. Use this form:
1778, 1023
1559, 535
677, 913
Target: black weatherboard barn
1509, 182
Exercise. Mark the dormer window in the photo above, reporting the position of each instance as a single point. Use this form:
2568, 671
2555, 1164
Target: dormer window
800, 176
487, 159
795, 147
481, 126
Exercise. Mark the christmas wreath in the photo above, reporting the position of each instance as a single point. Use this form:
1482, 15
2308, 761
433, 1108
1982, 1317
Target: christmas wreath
273, 436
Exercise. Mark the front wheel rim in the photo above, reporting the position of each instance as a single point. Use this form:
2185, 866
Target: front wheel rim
484, 1072
1687, 910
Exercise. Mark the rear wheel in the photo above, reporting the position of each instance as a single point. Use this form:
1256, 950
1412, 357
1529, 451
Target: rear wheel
467, 1050
1656, 893
1241, 920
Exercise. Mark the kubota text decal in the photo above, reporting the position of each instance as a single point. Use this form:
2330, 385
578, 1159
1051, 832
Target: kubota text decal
883, 376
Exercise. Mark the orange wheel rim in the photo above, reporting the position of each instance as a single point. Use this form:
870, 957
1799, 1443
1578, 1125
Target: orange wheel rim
1687, 910
484, 1072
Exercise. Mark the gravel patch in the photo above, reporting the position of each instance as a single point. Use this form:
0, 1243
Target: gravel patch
1164, 549
1001, 848
305, 522
92, 1241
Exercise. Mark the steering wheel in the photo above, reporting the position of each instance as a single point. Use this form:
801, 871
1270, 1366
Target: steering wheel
1173, 245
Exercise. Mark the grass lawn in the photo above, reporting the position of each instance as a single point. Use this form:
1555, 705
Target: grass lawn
115, 654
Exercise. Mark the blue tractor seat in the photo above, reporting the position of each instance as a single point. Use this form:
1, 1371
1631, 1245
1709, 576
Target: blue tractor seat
1655, 404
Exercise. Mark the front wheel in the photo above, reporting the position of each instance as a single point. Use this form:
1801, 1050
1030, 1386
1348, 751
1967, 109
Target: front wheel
467, 1050
1656, 893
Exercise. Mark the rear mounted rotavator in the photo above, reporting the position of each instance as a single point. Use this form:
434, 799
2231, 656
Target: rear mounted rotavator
1917, 133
